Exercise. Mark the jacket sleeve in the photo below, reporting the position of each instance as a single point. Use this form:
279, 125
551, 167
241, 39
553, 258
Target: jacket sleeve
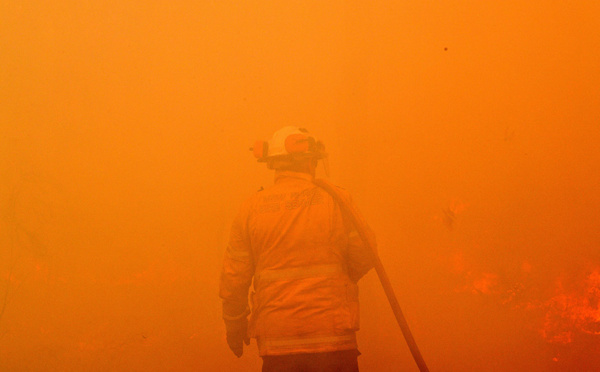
237, 271
360, 255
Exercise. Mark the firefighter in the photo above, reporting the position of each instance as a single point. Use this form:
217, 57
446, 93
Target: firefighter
302, 257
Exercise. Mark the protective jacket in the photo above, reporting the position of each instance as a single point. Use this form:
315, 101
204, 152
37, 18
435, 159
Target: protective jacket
303, 259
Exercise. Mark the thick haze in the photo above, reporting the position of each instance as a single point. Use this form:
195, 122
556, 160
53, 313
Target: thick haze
468, 133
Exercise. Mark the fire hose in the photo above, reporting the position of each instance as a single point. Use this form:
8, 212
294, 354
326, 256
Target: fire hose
354, 216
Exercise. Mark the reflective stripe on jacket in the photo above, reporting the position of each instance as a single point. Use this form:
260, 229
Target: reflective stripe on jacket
305, 260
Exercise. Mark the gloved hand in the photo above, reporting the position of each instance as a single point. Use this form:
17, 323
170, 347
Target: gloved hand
237, 335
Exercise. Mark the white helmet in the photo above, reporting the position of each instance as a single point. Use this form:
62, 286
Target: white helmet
288, 144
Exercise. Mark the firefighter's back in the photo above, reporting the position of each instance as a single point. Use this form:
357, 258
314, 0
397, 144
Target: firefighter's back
303, 300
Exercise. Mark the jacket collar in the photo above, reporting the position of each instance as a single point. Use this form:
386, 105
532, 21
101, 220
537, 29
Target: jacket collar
279, 174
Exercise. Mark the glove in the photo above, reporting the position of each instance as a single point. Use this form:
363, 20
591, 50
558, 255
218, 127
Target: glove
237, 335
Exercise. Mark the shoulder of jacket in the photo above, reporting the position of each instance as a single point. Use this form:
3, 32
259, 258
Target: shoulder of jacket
340, 191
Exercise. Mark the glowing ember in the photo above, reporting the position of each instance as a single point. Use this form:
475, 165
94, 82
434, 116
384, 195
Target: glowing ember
573, 312
480, 283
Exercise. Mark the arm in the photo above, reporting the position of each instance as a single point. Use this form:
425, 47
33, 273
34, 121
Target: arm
360, 255
236, 277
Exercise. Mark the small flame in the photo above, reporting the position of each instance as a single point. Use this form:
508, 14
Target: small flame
576, 311
485, 284
564, 317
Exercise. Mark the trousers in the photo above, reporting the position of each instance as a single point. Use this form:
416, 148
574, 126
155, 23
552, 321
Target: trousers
336, 361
